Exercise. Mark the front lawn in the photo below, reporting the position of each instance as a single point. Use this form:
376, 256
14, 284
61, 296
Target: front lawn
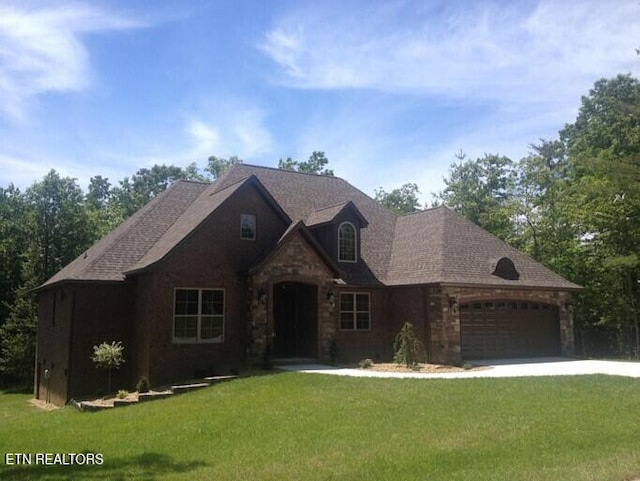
315, 427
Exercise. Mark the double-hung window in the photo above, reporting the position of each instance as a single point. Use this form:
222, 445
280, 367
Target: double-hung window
355, 312
198, 315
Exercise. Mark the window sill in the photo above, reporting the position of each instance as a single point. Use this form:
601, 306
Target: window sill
197, 341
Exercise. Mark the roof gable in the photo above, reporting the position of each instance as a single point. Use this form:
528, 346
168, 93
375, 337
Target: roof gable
207, 203
294, 230
314, 198
327, 215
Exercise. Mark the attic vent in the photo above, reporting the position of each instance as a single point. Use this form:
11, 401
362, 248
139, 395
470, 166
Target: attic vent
506, 270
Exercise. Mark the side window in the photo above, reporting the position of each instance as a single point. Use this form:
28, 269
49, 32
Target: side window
355, 311
347, 243
198, 315
248, 226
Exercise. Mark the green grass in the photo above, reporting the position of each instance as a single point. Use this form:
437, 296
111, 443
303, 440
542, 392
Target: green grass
314, 427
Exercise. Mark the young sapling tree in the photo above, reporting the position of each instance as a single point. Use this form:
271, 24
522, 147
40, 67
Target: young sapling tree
108, 356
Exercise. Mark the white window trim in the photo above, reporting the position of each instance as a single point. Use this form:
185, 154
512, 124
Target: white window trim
255, 226
355, 242
198, 339
355, 311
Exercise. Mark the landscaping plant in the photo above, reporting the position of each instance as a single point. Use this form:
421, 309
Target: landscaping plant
408, 349
108, 356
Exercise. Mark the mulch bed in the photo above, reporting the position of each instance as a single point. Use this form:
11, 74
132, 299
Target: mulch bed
423, 368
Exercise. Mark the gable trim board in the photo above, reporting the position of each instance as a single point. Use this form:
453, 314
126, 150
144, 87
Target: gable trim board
419, 268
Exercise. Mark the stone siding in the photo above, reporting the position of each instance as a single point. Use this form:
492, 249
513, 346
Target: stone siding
295, 261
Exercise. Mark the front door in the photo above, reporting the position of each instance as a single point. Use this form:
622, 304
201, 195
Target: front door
295, 319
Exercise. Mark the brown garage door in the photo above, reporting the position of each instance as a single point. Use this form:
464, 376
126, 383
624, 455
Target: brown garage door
508, 329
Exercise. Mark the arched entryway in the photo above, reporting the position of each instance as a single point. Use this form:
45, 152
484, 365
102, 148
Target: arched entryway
295, 320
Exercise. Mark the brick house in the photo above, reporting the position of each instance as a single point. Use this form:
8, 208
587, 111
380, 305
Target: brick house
206, 277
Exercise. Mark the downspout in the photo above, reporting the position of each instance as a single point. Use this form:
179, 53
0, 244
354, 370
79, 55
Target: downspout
427, 323
70, 344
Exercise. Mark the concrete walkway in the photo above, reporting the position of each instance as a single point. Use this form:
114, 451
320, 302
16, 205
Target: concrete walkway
496, 368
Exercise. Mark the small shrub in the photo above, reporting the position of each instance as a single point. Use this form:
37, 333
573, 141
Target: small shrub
365, 364
408, 349
122, 394
143, 385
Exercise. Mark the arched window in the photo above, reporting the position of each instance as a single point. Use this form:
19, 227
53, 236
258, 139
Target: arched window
347, 242
506, 270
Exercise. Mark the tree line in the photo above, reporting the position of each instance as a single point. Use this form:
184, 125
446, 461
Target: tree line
572, 204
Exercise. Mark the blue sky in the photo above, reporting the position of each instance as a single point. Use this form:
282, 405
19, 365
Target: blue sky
389, 90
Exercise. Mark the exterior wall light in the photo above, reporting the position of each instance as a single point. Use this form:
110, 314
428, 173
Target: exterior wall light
331, 298
262, 297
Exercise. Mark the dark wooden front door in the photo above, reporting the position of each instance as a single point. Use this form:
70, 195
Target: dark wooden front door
295, 319
509, 329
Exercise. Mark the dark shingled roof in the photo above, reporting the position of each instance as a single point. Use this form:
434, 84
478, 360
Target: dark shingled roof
433, 246
440, 246
117, 252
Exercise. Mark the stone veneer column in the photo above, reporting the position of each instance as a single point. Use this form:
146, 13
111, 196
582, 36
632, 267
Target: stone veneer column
444, 322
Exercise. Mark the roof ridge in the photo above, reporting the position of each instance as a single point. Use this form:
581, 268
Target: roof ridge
422, 211
333, 205
191, 181
266, 167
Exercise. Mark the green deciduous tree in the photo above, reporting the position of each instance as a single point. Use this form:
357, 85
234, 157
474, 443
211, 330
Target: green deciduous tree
403, 200
216, 166
144, 185
482, 191
603, 201
57, 224
13, 238
316, 164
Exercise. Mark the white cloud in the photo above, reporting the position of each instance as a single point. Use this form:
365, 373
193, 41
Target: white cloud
249, 133
226, 127
41, 50
203, 137
523, 65
508, 52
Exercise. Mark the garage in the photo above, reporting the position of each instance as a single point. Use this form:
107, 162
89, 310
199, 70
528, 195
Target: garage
509, 329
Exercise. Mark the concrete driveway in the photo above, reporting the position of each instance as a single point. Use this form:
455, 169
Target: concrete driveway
495, 368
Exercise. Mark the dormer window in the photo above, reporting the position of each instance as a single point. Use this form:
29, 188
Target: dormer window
506, 270
347, 242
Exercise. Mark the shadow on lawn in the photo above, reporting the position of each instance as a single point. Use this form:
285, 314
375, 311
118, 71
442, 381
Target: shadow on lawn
147, 466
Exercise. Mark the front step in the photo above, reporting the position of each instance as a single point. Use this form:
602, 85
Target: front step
182, 388
287, 361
